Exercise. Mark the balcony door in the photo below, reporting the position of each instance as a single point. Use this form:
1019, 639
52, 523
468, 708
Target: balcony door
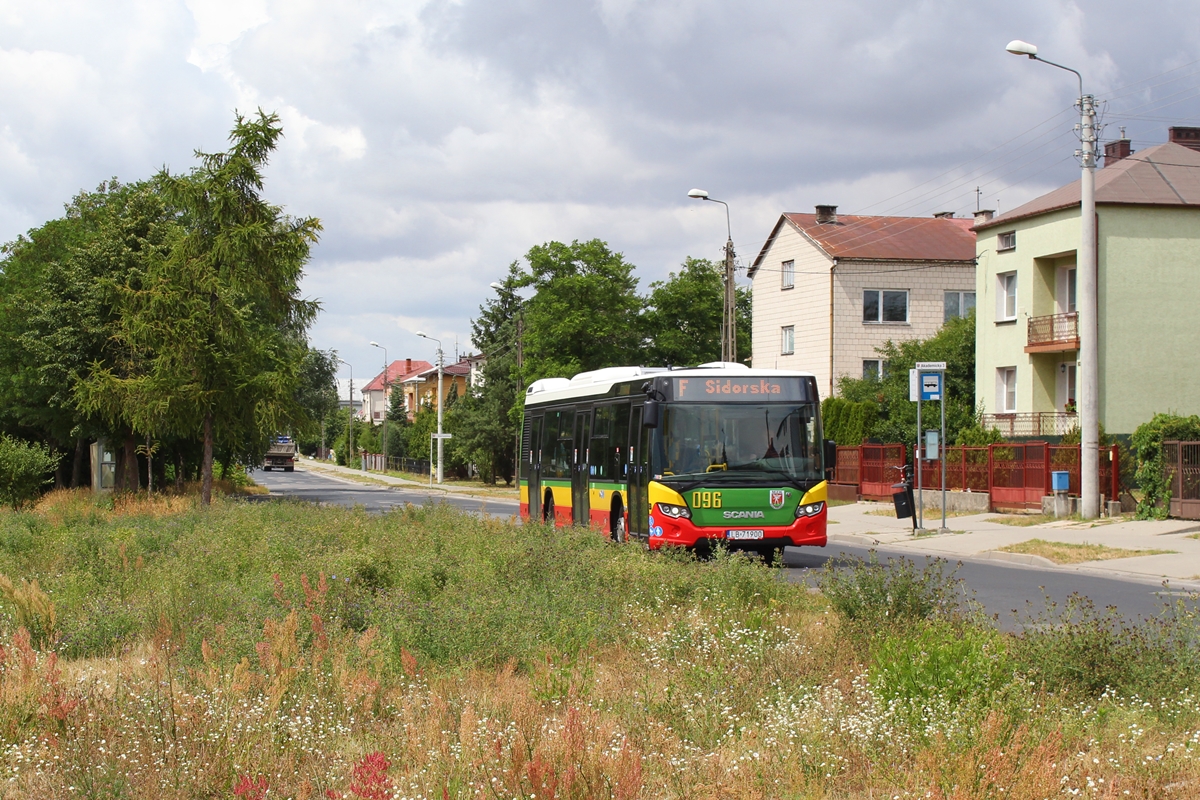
1064, 290
1067, 372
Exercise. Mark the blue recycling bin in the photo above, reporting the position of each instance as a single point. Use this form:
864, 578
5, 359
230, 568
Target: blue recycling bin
1060, 481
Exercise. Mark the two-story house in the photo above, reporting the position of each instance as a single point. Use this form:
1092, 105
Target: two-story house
1148, 289
420, 387
829, 290
376, 395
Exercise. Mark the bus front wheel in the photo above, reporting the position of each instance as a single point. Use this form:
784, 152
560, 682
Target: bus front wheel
617, 528
548, 508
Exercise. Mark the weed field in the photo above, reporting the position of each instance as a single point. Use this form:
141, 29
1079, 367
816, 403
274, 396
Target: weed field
153, 649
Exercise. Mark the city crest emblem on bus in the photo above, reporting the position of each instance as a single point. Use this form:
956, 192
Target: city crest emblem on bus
777, 498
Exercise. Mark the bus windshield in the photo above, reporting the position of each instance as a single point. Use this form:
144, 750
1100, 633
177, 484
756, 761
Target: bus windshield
738, 440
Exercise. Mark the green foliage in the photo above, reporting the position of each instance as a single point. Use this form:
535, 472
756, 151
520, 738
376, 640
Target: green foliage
1152, 475
584, 313
1081, 650
212, 328
683, 315
448, 586
846, 422
938, 666
25, 469
897, 422
875, 593
977, 436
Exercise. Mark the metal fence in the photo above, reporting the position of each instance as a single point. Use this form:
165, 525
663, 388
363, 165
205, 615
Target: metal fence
1031, 424
1014, 475
1181, 463
377, 462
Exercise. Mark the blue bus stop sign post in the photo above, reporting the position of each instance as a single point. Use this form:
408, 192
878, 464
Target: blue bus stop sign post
931, 380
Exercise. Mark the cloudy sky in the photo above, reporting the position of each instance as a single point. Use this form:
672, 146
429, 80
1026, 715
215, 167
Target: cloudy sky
437, 140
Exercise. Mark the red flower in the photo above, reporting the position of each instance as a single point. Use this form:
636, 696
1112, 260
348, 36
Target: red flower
251, 789
370, 780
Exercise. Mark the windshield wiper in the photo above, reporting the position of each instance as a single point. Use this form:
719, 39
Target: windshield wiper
794, 481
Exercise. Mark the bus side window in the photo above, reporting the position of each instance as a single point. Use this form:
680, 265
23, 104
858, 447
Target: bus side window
600, 455
565, 445
619, 442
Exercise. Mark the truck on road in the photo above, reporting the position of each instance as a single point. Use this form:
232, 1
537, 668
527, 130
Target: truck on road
281, 453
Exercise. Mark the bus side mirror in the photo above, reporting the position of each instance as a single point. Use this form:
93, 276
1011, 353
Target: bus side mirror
650, 414
830, 454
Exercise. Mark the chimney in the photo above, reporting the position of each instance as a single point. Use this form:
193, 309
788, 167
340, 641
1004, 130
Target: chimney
944, 215
407, 365
1188, 137
984, 215
826, 215
1115, 151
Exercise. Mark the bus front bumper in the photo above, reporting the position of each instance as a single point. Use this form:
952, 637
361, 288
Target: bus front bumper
804, 532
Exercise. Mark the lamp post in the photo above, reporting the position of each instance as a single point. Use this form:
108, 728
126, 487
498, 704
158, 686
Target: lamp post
1088, 305
729, 323
350, 430
385, 402
520, 363
440, 439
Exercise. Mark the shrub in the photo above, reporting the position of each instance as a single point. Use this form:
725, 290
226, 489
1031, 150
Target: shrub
895, 591
1151, 475
848, 422
1079, 649
24, 469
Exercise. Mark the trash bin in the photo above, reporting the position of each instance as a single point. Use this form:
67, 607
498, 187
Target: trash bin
903, 499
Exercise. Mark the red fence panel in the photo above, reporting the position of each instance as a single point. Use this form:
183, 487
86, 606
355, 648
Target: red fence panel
846, 468
878, 468
1019, 475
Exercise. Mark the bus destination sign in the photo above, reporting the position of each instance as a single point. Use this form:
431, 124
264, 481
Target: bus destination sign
739, 389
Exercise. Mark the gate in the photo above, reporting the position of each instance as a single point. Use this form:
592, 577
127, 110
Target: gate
1181, 462
1020, 474
879, 469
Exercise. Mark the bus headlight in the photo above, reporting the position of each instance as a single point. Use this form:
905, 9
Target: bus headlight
809, 509
673, 511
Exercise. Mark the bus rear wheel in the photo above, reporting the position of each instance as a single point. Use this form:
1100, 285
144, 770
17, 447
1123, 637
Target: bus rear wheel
548, 508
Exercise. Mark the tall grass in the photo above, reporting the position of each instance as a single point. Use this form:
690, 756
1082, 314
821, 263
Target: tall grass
261, 650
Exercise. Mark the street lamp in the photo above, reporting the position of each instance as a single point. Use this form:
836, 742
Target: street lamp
385, 401
729, 325
520, 363
439, 399
350, 434
1088, 306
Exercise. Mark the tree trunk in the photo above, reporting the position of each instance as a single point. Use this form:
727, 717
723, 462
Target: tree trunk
206, 462
130, 476
179, 470
77, 464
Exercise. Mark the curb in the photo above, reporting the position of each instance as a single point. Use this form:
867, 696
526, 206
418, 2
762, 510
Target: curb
852, 538
1016, 558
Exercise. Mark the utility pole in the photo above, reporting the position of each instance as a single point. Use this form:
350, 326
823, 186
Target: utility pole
350, 422
440, 402
1088, 304
729, 316
385, 403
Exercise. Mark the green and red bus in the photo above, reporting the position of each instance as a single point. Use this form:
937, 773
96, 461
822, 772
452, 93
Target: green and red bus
719, 453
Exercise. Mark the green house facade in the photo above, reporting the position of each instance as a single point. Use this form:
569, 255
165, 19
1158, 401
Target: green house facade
1148, 278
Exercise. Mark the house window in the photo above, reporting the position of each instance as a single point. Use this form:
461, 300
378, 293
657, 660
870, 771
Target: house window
872, 369
1006, 241
1006, 297
958, 304
1006, 389
789, 274
787, 344
885, 305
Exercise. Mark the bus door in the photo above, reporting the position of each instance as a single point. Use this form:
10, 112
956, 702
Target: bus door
531, 465
580, 474
638, 476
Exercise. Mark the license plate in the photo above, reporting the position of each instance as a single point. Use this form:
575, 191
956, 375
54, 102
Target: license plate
744, 534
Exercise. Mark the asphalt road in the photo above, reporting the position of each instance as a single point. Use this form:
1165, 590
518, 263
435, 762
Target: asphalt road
319, 488
1012, 592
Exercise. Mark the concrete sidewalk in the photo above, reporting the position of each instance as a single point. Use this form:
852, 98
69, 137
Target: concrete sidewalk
977, 538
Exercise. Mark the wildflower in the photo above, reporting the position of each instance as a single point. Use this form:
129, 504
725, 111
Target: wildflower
251, 789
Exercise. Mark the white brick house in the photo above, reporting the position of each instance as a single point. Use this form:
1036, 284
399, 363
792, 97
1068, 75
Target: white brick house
828, 291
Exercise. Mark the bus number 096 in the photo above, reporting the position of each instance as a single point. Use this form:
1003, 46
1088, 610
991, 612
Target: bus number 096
706, 499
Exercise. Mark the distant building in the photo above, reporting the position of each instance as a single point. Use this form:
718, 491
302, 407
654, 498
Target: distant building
829, 290
420, 387
376, 395
1148, 278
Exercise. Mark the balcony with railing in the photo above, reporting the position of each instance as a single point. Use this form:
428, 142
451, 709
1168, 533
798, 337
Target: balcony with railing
1056, 333
1031, 424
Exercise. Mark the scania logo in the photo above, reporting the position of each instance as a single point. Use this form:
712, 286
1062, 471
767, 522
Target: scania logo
744, 515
